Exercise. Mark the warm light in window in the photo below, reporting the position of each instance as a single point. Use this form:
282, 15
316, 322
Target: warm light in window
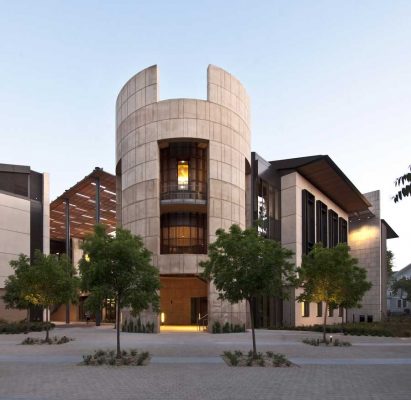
87, 257
182, 175
162, 318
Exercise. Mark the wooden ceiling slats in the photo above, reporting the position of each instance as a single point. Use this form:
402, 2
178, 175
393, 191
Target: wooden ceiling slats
82, 198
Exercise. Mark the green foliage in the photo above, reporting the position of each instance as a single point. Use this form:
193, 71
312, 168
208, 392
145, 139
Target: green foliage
52, 340
139, 327
216, 327
317, 342
46, 281
50, 280
24, 327
108, 357
14, 285
389, 263
404, 285
269, 359
242, 265
393, 327
332, 276
227, 328
404, 185
119, 267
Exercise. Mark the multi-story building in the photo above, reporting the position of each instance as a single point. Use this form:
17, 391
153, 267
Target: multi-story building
397, 303
181, 167
24, 223
185, 169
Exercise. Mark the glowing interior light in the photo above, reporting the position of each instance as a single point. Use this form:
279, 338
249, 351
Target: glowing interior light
182, 175
162, 317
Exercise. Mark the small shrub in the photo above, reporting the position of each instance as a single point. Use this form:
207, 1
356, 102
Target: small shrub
227, 328
142, 357
108, 357
280, 360
138, 326
216, 327
231, 357
54, 340
269, 359
24, 327
317, 342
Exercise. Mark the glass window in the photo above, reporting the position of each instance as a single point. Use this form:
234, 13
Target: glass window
332, 228
183, 168
320, 309
182, 175
330, 312
308, 221
305, 309
183, 233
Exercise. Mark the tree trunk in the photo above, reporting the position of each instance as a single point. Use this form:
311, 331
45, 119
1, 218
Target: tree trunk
325, 320
47, 324
118, 326
251, 303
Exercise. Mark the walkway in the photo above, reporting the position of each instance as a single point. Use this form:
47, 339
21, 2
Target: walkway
188, 366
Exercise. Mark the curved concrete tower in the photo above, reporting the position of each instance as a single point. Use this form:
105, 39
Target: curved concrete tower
181, 175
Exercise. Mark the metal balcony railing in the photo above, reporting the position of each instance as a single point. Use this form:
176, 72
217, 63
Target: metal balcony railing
183, 246
190, 191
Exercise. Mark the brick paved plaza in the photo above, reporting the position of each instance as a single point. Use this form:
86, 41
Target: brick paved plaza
187, 366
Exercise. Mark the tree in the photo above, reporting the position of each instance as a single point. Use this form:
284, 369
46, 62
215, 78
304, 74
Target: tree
14, 297
119, 267
403, 284
389, 263
332, 276
48, 280
242, 264
404, 183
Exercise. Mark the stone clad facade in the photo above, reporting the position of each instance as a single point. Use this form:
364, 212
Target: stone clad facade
184, 169
144, 125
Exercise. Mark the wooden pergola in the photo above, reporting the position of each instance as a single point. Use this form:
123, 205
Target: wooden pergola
91, 200
74, 213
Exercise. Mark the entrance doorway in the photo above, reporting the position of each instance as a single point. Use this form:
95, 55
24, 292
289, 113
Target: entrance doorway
183, 299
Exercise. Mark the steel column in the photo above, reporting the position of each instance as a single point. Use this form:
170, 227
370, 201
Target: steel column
68, 248
98, 313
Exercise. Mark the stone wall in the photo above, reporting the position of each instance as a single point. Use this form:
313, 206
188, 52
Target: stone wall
223, 121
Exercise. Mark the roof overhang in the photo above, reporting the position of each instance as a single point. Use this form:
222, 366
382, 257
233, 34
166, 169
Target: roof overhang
391, 234
324, 174
82, 202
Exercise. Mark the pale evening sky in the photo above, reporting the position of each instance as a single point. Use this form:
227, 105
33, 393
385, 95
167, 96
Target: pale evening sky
325, 77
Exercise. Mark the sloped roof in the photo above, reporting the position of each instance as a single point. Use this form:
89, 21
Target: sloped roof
324, 174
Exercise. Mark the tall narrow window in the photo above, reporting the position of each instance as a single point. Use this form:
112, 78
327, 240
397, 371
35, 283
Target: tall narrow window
182, 175
330, 312
320, 309
308, 222
322, 223
305, 309
342, 228
332, 228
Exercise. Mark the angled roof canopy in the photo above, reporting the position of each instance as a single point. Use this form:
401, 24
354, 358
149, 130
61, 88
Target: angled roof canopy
323, 173
391, 234
84, 210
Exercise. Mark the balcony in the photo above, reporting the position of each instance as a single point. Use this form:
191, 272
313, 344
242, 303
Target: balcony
183, 246
191, 193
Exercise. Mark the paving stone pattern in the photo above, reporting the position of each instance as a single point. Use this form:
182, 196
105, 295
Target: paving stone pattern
373, 368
